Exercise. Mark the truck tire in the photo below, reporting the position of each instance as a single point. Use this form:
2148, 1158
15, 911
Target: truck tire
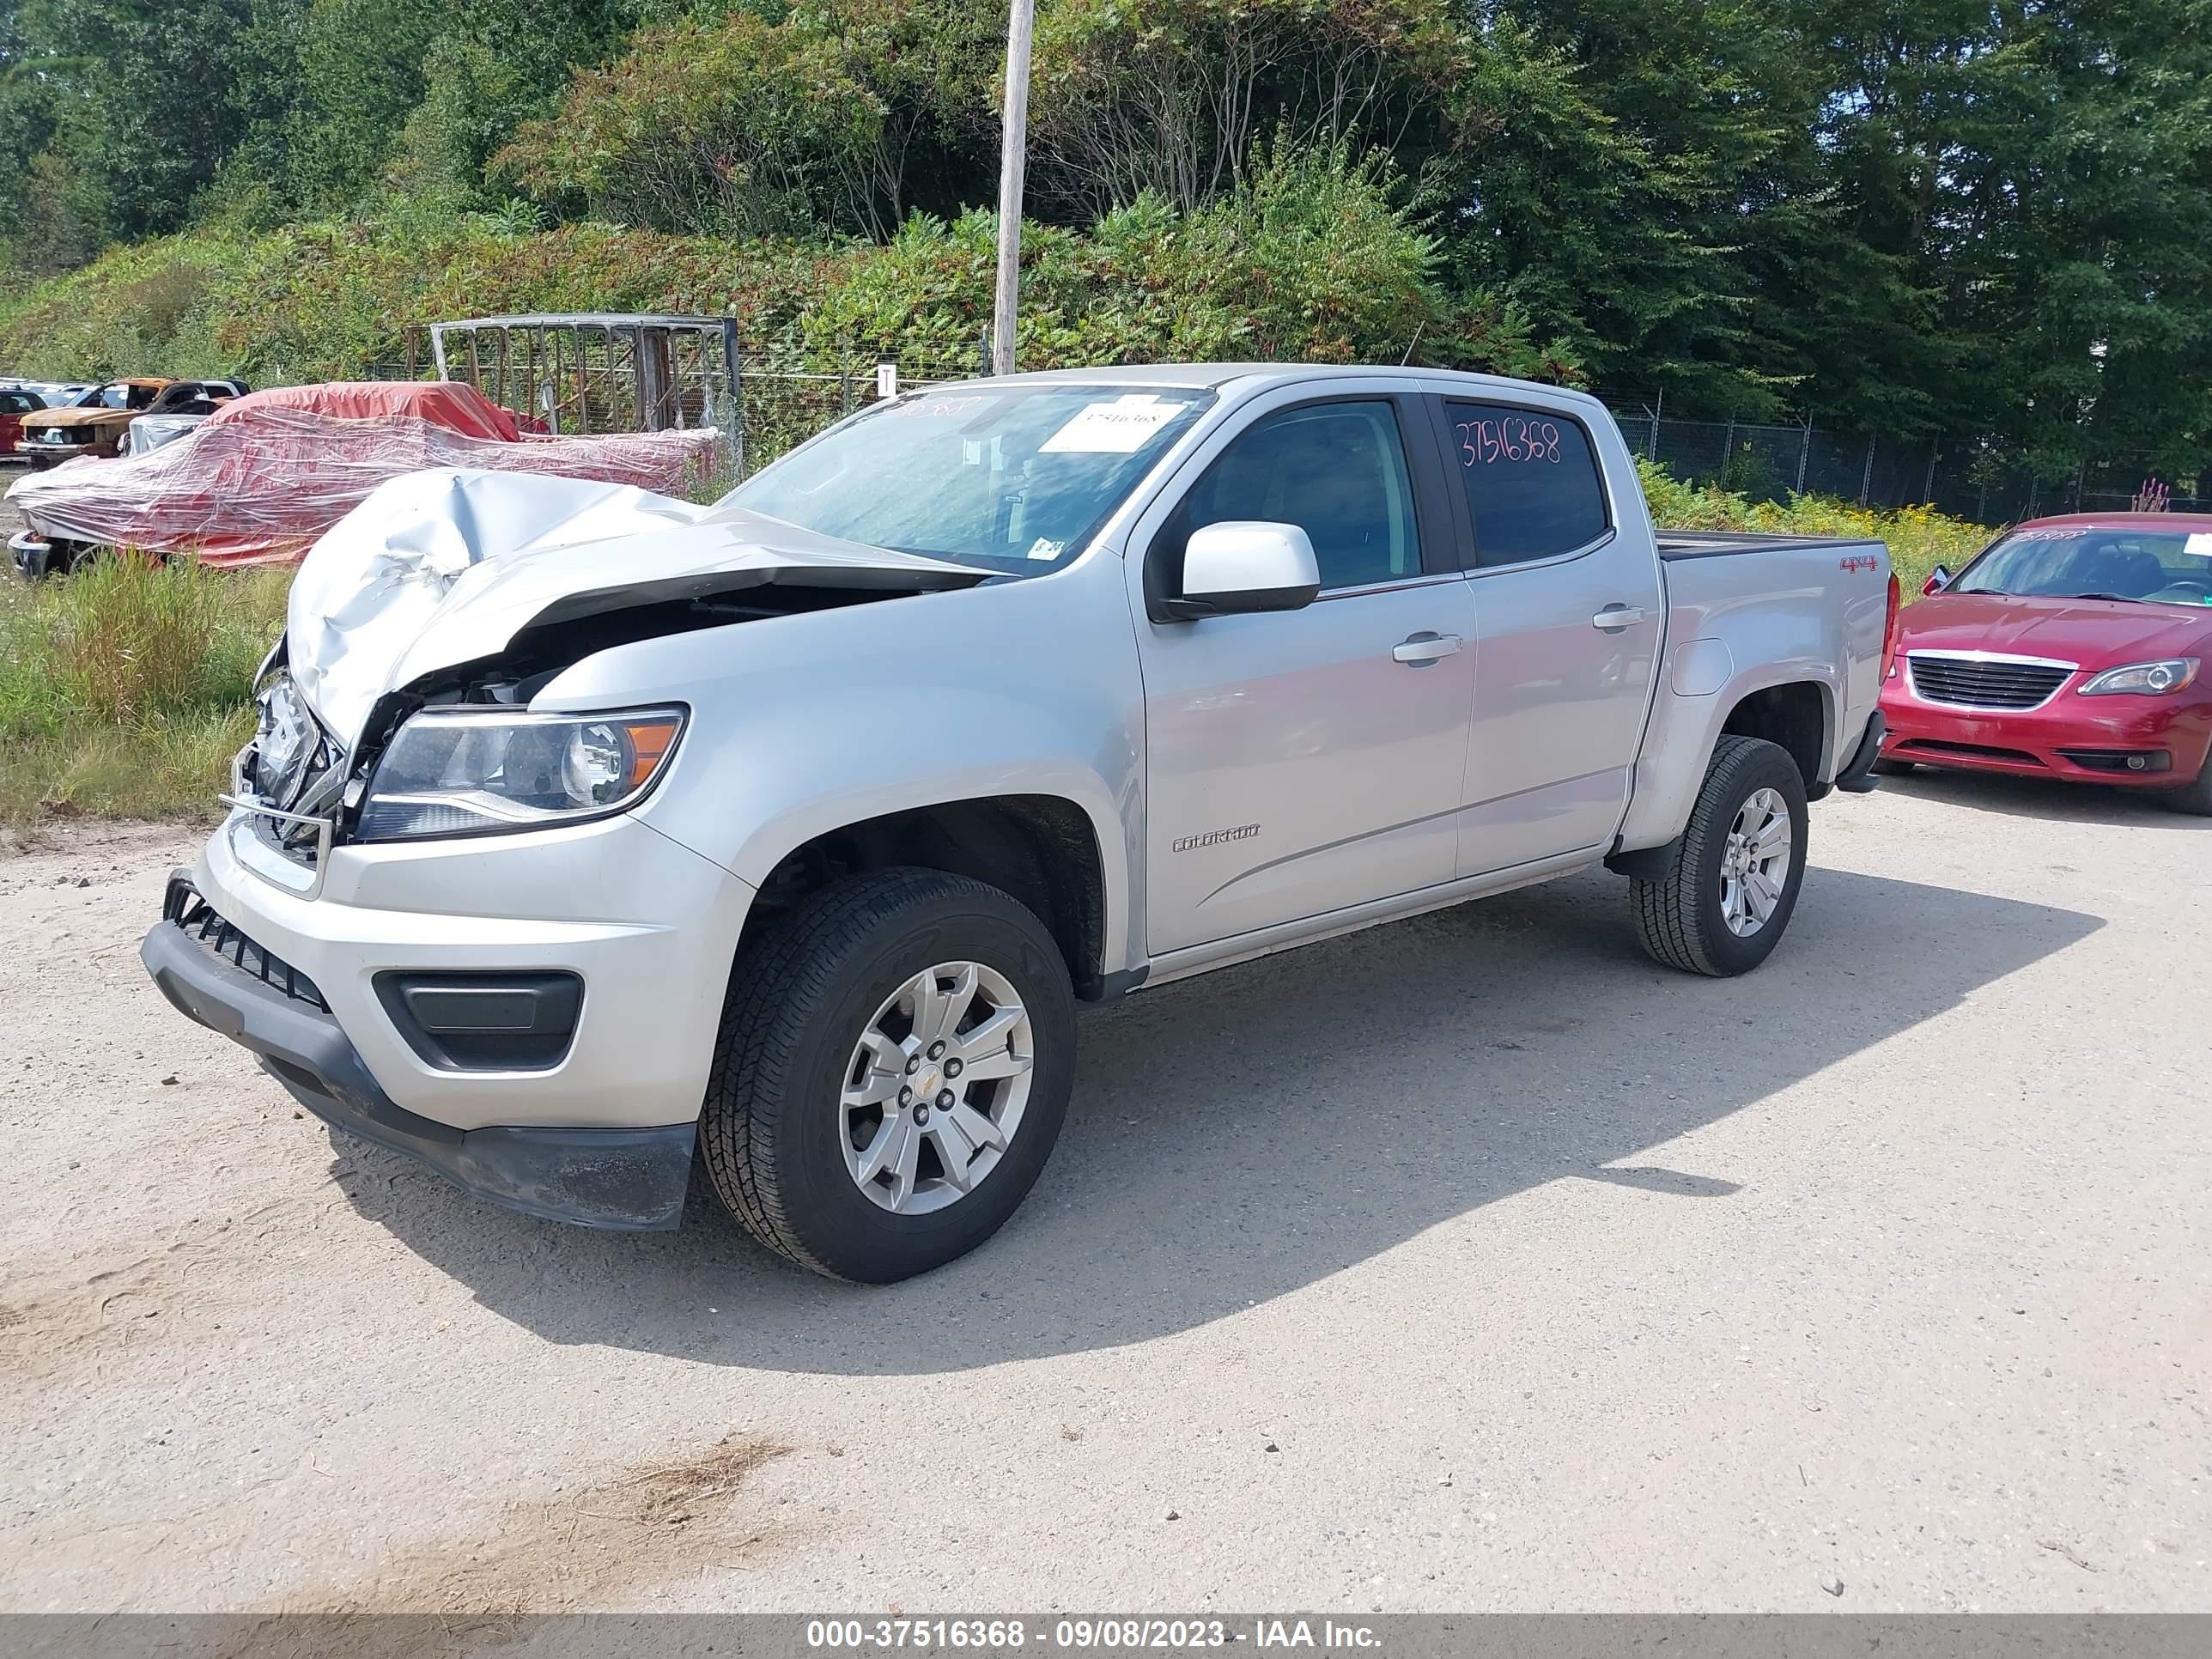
1894, 768
1722, 905
846, 1030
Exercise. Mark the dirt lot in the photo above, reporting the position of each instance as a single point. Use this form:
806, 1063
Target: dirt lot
1474, 1263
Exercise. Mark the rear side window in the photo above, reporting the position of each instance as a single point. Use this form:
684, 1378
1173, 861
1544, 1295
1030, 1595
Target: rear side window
1531, 478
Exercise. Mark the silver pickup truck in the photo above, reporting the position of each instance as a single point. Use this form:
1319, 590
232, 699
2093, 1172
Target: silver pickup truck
590, 835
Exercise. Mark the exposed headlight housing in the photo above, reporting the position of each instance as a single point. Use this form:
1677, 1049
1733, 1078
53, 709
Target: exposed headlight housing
2142, 680
474, 771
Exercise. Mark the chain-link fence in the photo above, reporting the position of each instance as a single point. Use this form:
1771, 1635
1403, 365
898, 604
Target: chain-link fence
1965, 479
764, 398
783, 391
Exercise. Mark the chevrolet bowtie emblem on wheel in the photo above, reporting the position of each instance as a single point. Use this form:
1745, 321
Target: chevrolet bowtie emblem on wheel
1215, 837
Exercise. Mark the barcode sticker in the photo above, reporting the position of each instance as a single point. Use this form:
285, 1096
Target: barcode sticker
1116, 428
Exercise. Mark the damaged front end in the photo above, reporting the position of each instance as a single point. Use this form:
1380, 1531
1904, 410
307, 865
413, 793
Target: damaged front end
288, 782
422, 626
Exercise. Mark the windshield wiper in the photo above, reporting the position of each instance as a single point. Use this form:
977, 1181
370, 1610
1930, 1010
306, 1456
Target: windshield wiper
2123, 599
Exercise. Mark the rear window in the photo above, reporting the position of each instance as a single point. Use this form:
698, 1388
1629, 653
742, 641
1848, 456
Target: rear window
1532, 482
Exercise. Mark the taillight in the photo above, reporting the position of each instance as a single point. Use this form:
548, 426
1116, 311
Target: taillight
1889, 630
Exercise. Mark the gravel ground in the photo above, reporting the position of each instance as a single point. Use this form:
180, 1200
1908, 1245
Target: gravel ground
1472, 1263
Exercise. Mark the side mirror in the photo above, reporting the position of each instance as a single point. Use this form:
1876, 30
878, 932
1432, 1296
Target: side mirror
1242, 565
1938, 579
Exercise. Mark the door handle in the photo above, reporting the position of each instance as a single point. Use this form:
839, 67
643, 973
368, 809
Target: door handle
1420, 650
1615, 617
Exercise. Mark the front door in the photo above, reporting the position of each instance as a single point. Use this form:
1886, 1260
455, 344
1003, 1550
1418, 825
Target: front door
1303, 761
1569, 617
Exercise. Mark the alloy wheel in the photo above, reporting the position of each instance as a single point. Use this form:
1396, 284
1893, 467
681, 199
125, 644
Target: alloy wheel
936, 1086
1755, 862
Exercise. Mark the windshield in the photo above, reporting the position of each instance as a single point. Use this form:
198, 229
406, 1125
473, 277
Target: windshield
1015, 479
2089, 561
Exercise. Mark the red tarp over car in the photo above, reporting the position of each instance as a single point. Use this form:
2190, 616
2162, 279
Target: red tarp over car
263, 477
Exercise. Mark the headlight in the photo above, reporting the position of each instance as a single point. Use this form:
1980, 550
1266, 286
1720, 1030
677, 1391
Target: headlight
285, 735
2152, 679
474, 772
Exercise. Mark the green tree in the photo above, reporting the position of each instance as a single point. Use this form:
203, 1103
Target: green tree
844, 117
2040, 171
124, 108
1614, 160
1174, 96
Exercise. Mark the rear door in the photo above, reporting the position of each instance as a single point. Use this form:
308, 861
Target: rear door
1303, 762
1569, 617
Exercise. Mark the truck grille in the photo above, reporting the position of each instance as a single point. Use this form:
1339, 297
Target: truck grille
1985, 681
183, 907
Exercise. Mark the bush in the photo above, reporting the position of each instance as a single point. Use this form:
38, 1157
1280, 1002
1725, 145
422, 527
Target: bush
1314, 257
1919, 537
738, 127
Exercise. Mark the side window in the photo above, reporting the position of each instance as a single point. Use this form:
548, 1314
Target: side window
1532, 482
1336, 471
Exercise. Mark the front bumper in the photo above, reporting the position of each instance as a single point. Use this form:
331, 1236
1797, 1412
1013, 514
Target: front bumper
627, 1179
2080, 740
34, 554
44, 455
647, 927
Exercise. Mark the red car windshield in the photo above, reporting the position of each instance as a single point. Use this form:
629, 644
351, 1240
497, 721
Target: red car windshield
2085, 561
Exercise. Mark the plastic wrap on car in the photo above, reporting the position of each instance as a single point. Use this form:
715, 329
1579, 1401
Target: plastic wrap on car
260, 480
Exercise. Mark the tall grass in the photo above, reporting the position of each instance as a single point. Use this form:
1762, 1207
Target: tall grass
125, 689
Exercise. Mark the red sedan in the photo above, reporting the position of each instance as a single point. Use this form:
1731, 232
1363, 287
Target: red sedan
16, 402
2074, 647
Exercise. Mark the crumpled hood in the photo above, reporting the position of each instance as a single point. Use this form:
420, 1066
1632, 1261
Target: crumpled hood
442, 567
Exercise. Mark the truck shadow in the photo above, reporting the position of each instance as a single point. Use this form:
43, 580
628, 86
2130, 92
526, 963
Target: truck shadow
1239, 1136
2037, 798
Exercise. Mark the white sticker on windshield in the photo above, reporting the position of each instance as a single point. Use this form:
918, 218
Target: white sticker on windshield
1116, 428
2199, 545
1041, 548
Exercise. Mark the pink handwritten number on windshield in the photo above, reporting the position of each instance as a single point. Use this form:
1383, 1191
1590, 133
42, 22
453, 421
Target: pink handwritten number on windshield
1512, 439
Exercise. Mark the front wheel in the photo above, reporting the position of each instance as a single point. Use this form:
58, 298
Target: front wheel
2194, 798
1722, 905
894, 1062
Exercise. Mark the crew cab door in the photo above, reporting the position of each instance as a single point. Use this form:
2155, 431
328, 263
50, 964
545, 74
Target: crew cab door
1303, 761
1569, 618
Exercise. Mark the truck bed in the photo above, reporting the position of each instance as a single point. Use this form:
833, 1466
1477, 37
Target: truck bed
1720, 544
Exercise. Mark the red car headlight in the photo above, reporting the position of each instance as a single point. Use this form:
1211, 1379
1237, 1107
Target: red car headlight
2142, 680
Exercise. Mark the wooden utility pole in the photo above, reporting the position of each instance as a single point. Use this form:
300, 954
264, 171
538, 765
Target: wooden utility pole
1013, 148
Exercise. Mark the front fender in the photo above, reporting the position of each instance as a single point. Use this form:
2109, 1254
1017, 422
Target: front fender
805, 723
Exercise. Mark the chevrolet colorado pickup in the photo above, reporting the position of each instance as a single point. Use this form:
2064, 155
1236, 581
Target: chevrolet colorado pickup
589, 835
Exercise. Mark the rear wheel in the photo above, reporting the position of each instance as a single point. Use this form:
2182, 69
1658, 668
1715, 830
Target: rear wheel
894, 1063
1722, 904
